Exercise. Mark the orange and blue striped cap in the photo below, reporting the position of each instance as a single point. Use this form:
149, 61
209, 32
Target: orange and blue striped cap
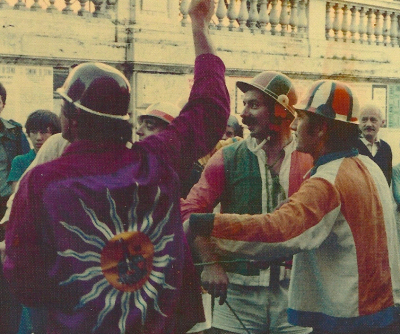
331, 99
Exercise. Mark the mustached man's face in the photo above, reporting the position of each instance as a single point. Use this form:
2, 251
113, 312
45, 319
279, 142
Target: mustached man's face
370, 123
256, 114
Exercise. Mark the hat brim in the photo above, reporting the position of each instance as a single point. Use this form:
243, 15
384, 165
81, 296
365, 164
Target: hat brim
245, 86
340, 118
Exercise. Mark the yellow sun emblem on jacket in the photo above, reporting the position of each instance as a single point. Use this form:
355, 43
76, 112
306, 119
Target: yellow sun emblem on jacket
130, 265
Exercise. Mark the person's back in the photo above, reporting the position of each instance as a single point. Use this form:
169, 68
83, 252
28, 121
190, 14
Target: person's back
101, 199
95, 213
357, 253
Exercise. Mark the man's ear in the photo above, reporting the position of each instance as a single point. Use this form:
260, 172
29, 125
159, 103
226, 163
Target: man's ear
280, 111
73, 123
383, 122
322, 128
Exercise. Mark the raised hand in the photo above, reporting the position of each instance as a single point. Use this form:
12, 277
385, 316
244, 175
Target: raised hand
201, 10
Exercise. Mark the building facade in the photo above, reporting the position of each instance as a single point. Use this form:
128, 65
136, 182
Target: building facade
150, 41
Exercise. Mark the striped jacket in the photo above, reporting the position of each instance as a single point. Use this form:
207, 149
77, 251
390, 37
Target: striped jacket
341, 229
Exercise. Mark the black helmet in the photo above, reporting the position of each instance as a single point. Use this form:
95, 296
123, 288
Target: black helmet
99, 89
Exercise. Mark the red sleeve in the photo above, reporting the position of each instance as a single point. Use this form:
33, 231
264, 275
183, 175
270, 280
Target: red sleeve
205, 194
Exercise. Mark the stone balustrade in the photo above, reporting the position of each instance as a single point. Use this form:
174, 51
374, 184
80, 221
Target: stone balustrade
150, 40
84, 8
275, 17
376, 23
363, 22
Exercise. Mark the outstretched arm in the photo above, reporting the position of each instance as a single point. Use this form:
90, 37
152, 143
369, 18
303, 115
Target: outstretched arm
301, 224
396, 184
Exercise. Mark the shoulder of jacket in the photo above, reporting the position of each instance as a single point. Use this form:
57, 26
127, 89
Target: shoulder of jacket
18, 159
12, 122
232, 145
385, 144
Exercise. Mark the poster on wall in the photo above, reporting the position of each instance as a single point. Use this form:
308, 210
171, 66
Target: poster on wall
28, 88
393, 106
379, 98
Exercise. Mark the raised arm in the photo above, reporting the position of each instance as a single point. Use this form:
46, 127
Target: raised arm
200, 12
202, 121
396, 184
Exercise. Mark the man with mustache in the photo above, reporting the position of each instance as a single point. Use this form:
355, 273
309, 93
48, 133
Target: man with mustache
339, 226
369, 144
248, 177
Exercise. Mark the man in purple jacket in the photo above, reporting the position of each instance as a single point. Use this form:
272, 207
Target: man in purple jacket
95, 235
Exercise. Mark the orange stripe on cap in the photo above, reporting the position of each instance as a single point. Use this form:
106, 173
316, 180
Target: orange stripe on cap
161, 114
342, 100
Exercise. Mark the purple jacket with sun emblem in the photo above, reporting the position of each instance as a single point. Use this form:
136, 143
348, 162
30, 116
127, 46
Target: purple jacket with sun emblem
96, 236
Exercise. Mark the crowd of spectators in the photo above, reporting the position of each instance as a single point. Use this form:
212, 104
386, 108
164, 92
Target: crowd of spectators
194, 227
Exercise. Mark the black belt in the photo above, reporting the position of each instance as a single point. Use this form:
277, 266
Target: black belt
253, 268
249, 268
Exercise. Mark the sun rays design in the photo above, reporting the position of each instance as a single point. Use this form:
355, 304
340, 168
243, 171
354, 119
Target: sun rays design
130, 266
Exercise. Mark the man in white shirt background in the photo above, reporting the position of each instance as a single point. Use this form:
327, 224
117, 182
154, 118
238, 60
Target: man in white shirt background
370, 144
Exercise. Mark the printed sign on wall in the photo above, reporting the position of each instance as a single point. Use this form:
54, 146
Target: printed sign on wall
28, 88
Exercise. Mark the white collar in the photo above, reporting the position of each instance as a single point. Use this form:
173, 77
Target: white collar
253, 147
366, 142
